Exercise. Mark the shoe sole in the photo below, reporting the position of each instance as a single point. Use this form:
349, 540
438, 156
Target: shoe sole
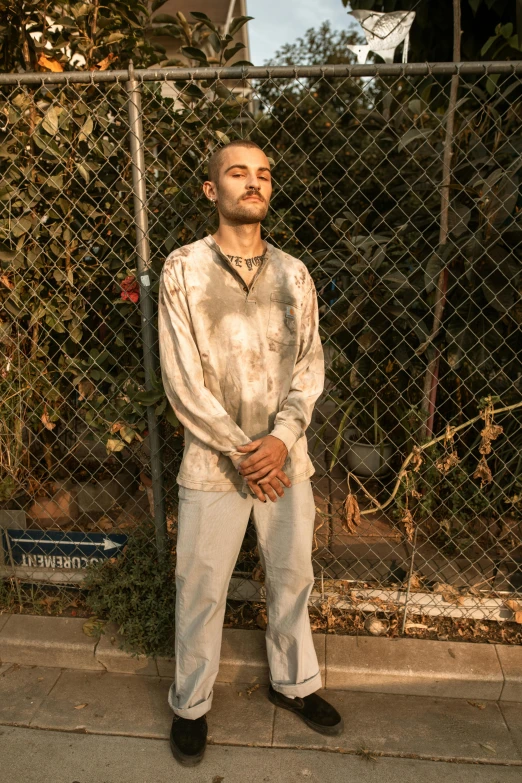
186, 761
330, 731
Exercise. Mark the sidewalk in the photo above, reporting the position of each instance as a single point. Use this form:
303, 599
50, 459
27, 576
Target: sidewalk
70, 726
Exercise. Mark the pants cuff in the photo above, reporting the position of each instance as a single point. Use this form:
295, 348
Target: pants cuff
301, 689
191, 713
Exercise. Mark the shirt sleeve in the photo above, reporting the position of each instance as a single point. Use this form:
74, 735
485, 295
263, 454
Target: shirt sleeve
307, 379
182, 372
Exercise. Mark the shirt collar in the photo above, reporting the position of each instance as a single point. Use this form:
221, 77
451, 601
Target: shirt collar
211, 242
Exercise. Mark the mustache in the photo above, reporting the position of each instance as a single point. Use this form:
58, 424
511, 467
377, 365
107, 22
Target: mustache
253, 193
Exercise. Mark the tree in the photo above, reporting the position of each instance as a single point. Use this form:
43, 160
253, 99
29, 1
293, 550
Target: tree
358, 198
70, 327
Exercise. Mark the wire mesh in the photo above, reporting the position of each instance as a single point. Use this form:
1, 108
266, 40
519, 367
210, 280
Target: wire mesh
405, 209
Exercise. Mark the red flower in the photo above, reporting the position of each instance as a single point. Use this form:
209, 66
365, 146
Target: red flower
130, 289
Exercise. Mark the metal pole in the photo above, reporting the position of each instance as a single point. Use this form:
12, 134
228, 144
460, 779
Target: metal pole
408, 588
146, 304
352, 70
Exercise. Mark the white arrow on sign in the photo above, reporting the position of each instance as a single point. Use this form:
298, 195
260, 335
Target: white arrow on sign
107, 543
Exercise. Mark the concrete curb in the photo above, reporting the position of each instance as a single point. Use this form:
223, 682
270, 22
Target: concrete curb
374, 664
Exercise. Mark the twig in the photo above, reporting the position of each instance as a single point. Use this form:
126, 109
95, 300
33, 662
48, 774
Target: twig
432, 371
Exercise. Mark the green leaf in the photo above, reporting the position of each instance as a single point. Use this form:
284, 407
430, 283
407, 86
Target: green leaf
86, 129
193, 91
242, 63
114, 38
148, 397
157, 4
491, 83
432, 271
171, 417
413, 134
215, 42
83, 171
195, 54
237, 24
397, 279
50, 121
165, 19
223, 92
458, 218
229, 53
48, 145
498, 292
206, 20
21, 226
222, 137
489, 43
8, 255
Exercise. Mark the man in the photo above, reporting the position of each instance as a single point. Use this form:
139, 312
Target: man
242, 366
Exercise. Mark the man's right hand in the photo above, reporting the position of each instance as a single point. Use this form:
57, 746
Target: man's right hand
272, 488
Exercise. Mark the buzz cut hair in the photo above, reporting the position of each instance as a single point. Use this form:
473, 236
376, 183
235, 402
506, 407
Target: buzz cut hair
214, 161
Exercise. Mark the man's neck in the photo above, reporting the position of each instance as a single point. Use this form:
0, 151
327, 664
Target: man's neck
244, 241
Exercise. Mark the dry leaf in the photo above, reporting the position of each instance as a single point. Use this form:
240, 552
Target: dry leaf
262, 620
409, 524
417, 458
93, 626
448, 462
416, 582
80, 706
488, 747
49, 425
104, 64
448, 593
352, 516
483, 472
477, 704
250, 691
258, 575
86, 389
50, 64
490, 432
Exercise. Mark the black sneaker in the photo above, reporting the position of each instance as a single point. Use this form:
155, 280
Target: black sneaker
315, 711
188, 739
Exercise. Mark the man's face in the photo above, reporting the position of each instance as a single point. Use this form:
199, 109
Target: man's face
244, 186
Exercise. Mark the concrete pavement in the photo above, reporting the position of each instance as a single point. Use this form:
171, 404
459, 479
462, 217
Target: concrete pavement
404, 666
73, 726
30, 756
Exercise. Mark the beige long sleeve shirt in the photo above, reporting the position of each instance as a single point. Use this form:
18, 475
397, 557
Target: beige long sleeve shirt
238, 362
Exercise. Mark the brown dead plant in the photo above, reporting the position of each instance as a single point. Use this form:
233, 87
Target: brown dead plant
414, 461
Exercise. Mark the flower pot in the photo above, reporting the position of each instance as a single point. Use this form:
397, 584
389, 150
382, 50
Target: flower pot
365, 459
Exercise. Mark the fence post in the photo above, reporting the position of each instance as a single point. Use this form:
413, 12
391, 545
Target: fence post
146, 305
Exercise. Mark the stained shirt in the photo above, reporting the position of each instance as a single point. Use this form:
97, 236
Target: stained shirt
238, 362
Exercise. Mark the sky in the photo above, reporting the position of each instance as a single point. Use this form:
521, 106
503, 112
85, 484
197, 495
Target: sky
277, 22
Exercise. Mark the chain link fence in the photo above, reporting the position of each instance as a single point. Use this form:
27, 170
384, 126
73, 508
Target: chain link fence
398, 186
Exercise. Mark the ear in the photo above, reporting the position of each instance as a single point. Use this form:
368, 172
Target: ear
209, 189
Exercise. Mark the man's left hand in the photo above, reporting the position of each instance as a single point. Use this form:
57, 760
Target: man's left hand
269, 455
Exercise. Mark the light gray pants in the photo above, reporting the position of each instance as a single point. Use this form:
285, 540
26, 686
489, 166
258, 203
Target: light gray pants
211, 527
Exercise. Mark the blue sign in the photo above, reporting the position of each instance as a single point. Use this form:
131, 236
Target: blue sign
57, 549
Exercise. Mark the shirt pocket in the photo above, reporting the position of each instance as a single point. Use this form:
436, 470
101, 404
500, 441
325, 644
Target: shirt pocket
283, 320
